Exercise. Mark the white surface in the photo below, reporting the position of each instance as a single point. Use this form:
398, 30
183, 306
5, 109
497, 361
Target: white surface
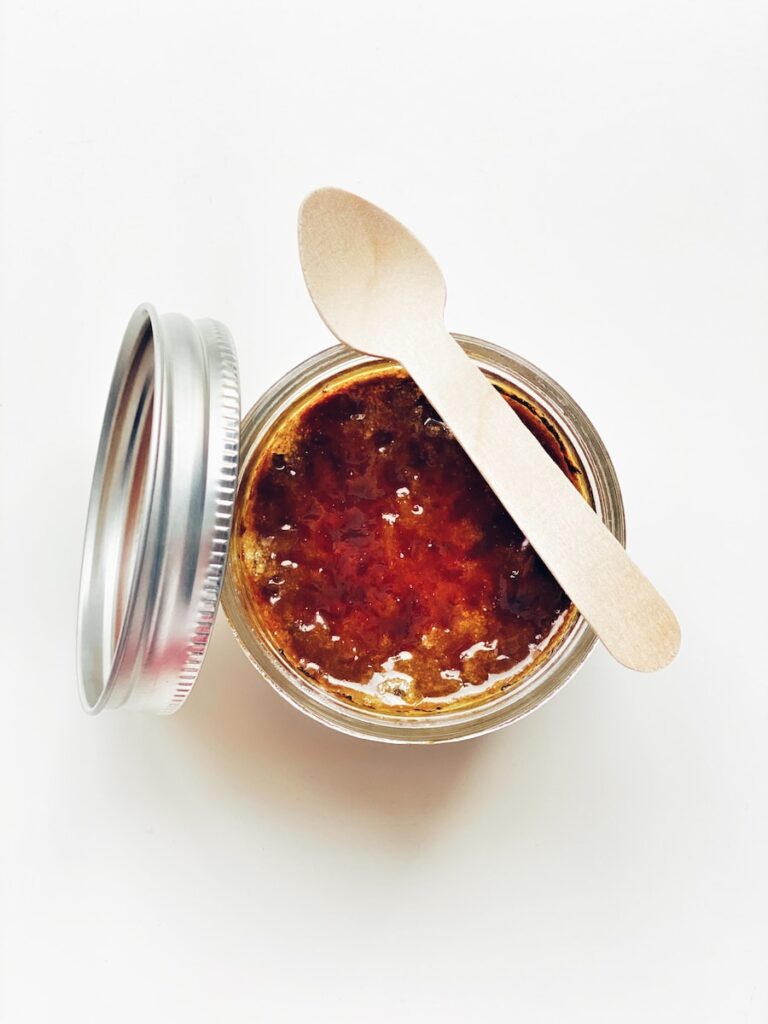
605, 859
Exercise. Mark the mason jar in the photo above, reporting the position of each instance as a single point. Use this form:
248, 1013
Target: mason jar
169, 480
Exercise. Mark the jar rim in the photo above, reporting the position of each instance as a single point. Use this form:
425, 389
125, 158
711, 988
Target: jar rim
533, 689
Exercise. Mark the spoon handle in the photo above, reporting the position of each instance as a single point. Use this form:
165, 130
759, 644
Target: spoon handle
620, 604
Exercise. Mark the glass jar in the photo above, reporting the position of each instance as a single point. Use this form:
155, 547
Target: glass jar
534, 688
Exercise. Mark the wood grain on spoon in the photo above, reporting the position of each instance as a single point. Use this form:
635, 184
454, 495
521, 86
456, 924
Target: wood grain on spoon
380, 292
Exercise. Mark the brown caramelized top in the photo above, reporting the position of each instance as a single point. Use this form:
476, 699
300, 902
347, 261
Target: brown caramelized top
379, 563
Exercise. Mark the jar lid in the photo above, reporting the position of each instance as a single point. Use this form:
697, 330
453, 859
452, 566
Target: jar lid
160, 514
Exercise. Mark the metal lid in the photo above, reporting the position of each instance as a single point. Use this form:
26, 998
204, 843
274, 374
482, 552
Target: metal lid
160, 514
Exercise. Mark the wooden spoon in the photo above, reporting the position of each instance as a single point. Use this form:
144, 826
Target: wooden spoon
380, 292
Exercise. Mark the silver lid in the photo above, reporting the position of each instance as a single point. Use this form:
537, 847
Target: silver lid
160, 514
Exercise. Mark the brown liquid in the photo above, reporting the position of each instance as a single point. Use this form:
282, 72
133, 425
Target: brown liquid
379, 563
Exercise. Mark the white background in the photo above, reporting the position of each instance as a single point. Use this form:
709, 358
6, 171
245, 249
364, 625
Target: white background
593, 179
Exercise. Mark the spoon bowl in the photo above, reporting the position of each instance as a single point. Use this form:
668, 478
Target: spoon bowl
371, 280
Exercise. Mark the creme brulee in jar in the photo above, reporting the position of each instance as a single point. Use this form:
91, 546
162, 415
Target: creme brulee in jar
375, 579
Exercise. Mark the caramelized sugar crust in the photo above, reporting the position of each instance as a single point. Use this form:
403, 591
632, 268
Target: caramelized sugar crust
378, 562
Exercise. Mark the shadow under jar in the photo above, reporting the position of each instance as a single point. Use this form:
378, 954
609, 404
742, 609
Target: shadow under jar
365, 567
